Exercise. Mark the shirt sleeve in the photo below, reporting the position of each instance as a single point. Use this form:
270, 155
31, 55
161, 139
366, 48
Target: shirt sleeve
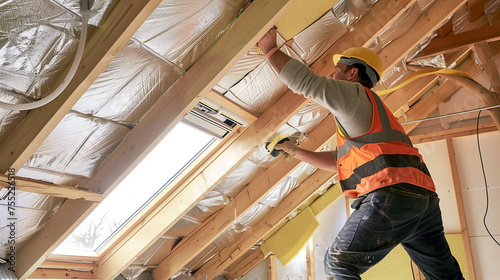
348, 101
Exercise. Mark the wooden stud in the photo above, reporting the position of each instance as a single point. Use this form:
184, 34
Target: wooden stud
445, 29
249, 238
271, 268
417, 274
461, 210
45, 188
311, 264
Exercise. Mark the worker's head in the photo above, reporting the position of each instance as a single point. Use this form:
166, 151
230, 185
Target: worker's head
358, 65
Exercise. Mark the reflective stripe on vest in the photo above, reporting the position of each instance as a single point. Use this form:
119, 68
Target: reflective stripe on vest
381, 157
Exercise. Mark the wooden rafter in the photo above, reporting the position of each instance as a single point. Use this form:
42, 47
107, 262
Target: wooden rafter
461, 40
485, 55
194, 243
45, 188
49, 273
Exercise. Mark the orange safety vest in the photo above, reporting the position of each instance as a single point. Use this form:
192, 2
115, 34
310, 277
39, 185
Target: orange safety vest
381, 157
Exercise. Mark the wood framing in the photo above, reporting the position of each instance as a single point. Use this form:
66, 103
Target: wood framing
461, 211
249, 238
40, 187
196, 83
67, 265
193, 244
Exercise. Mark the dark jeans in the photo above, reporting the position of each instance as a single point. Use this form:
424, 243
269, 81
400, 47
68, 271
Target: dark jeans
384, 218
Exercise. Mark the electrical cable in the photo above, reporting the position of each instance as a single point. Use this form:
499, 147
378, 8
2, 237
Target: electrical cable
485, 183
53, 95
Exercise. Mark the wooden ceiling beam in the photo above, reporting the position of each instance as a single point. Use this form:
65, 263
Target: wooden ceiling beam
428, 21
249, 238
455, 42
256, 190
46, 188
177, 102
117, 29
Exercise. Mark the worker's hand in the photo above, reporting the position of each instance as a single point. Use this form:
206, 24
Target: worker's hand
287, 149
268, 41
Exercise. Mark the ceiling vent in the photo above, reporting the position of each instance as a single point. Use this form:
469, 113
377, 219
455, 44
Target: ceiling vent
213, 119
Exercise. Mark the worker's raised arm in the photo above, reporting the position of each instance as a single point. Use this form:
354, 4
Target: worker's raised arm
267, 45
323, 160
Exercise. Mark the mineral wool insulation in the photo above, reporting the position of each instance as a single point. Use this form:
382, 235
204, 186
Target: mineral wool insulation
161, 51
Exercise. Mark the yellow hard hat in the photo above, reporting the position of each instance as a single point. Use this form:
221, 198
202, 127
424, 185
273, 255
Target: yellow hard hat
363, 56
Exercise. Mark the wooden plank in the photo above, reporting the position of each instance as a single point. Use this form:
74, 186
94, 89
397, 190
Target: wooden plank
45, 188
117, 29
452, 133
455, 42
257, 189
271, 268
310, 261
417, 274
428, 21
476, 8
44, 273
249, 238
461, 210
246, 265
231, 105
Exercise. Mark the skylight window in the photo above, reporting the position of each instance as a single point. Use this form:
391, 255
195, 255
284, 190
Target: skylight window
174, 153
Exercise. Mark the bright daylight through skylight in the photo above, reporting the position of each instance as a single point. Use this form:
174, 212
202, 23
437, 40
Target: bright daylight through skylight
175, 152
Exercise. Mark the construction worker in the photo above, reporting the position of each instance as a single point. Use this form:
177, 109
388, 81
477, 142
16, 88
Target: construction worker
395, 199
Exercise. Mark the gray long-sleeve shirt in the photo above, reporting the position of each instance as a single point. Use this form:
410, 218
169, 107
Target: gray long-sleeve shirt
348, 101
